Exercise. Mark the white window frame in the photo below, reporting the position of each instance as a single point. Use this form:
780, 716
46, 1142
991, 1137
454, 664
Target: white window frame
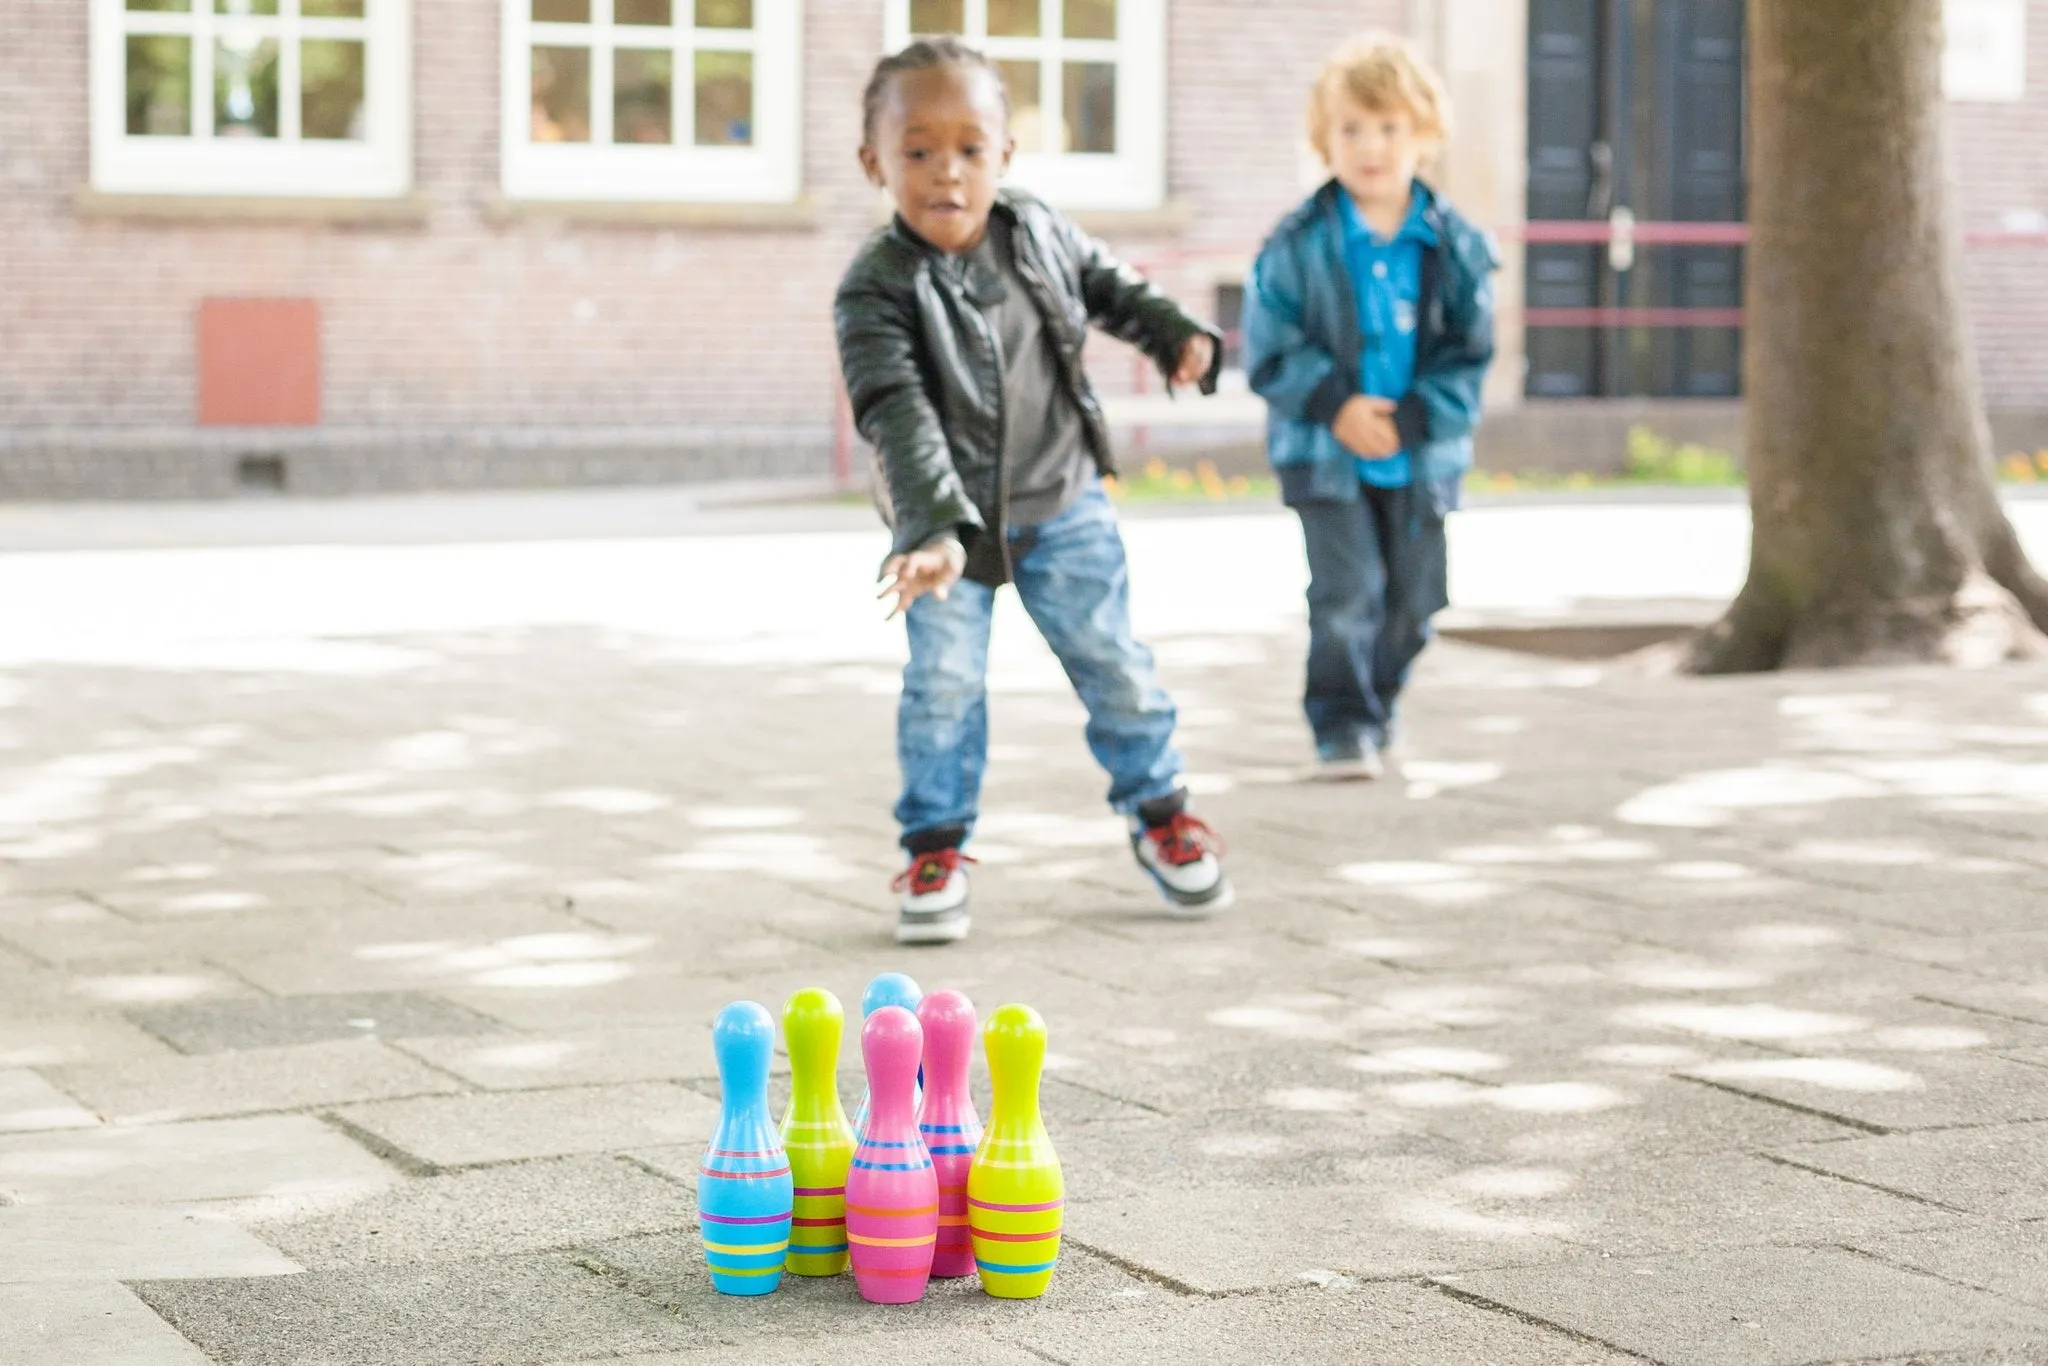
768, 172
1133, 178
377, 167
1984, 52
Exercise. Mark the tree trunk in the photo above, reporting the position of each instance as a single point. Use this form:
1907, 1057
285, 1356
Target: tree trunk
1878, 534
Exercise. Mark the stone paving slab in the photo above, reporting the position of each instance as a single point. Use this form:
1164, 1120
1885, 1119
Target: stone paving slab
508, 1312
57, 1039
1389, 1325
1758, 1307
250, 1081
514, 1062
125, 1242
278, 1021
180, 1163
668, 1270
493, 1211
953, 1345
460, 1131
1993, 1170
97, 1321
1898, 1092
1662, 1120
1220, 1241
29, 1104
2005, 1258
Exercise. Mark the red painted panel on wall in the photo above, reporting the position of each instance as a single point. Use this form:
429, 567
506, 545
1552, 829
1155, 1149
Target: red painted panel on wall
259, 363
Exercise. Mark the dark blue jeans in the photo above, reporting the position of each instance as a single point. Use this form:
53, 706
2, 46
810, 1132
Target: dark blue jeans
1376, 577
1071, 576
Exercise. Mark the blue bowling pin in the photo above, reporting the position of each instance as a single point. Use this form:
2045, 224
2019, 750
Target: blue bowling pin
889, 989
744, 1191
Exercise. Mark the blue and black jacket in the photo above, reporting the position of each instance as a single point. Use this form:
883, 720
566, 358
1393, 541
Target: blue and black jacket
1303, 343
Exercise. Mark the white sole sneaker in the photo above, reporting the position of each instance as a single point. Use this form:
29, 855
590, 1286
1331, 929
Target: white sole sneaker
1365, 768
939, 927
1222, 899
1185, 903
935, 917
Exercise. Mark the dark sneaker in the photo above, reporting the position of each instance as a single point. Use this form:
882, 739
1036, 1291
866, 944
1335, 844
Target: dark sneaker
934, 905
1182, 859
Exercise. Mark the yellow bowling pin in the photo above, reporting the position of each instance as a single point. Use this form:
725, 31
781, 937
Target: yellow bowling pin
1016, 1194
816, 1134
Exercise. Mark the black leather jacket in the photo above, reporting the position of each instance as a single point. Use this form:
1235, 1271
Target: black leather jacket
925, 373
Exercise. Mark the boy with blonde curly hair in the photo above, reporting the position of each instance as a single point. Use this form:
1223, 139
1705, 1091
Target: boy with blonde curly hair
1368, 330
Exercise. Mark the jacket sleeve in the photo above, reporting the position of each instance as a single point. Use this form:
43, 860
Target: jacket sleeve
1300, 380
1445, 403
1126, 305
878, 356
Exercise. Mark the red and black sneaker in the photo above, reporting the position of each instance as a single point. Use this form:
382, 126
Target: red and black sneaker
1183, 857
934, 905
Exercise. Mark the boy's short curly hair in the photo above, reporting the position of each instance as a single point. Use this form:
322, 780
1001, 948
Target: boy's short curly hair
1379, 71
925, 53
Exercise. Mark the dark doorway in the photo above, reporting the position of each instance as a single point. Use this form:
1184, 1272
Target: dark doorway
1635, 125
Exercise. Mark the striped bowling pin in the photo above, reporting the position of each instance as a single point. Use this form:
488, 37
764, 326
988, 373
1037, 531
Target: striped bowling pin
892, 1193
744, 1191
815, 1132
1015, 1191
887, 989
951, 1128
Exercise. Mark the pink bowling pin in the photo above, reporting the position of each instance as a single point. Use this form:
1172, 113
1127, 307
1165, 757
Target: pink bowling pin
892, 1192
951, 1128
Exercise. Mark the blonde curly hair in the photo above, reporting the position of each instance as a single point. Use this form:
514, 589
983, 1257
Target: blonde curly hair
1378, 71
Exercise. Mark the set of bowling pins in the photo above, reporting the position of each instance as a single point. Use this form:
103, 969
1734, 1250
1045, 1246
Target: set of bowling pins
915, 1187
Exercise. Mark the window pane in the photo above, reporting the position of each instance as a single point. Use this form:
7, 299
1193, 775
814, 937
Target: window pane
1013, 18
643, 102
561, 11
656, 12
1090, 107
1090, 18
1027, 119
245, 87
725, 99
937, 16
725, 13
178, 5
159, 87
331, 89
561, 94
245, 6
331, 9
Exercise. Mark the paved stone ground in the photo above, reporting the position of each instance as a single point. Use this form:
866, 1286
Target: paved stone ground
355, 977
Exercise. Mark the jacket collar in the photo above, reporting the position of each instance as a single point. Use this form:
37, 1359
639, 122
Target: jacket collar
904, 233
1427, 211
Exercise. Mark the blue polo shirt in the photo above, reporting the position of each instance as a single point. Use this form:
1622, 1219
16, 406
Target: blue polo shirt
1386, 278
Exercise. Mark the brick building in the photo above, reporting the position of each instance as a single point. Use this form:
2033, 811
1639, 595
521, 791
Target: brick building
353, 244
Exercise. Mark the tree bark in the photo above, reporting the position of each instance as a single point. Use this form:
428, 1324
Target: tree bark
1878, 533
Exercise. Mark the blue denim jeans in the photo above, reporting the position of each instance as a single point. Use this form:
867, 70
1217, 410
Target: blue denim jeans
1071, 576
1376, 577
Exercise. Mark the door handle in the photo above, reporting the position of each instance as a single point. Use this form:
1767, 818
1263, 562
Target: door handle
1601, 197
1621, 247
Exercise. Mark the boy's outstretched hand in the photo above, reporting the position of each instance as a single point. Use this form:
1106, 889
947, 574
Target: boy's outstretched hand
1195, 359
932, 568
1366, 427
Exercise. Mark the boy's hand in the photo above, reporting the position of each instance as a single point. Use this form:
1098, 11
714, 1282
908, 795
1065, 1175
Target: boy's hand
1195, 359
933, 569
1366, 427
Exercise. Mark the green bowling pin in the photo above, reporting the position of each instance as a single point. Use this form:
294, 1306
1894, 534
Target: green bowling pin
816, 1134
